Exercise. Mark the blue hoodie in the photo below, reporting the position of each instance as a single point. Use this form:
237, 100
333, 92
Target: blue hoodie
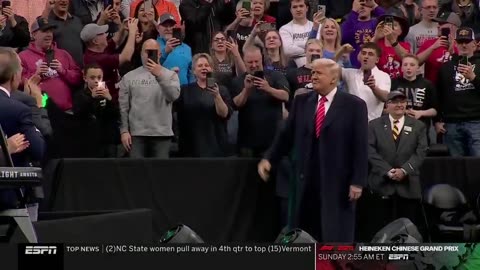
180, 57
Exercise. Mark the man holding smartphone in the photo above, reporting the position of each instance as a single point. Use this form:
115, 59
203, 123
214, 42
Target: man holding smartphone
458, 100
102, 51
146, 97
175, 53
435, 52
258, 96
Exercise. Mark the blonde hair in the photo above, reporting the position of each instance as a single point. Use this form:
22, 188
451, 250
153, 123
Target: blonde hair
198, 56
316, 42
338, 42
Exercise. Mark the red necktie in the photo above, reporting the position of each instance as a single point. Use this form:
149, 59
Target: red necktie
320, 116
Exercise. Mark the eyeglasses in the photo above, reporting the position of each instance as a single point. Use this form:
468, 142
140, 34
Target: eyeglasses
219, 39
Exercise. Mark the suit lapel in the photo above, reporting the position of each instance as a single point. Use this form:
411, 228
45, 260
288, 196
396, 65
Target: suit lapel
3, 94
405, 135
334, 109
387, 128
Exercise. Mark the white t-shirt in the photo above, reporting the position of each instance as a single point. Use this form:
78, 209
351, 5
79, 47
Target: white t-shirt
294, 37
354, 80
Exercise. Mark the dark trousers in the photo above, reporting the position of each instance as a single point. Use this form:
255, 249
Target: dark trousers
375, 212
150, 147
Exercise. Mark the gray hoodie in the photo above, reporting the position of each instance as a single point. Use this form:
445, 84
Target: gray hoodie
146, 102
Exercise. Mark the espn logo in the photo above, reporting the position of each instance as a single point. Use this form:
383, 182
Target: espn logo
398, 257
40, 250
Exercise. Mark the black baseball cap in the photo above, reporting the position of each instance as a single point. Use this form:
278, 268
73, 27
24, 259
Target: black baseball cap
448, 17
42, 25
396, 94
465, 33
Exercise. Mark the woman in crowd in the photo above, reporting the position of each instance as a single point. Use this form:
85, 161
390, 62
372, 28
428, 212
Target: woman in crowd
147, 29
227, 61
147, 22
259, 9
330, 37
270, 40
202, 114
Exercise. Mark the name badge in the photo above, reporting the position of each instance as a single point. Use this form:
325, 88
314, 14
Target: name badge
407, 128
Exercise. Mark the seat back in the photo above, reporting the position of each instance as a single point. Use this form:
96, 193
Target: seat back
401, 230
446, 197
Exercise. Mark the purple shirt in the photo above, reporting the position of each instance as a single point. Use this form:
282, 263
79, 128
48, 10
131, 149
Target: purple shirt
356, 33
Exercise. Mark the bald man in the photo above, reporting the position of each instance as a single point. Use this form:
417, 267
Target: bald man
258, 96
328, 130
146, 97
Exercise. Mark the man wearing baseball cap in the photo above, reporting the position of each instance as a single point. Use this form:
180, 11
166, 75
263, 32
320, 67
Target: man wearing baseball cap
176, 55
59, 75
55, 66
102, 52
458, 99
435, 52
394, 178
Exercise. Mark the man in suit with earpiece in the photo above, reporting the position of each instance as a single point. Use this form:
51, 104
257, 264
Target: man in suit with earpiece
397, 148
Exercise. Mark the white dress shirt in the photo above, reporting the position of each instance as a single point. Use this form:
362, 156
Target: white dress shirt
400, 124
5, 90
329, 101
354, 80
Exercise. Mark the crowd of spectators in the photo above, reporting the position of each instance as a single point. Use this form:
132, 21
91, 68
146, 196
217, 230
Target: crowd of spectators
226, 72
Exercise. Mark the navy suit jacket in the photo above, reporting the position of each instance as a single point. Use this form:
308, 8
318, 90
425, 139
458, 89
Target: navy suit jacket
16, 117
39, 115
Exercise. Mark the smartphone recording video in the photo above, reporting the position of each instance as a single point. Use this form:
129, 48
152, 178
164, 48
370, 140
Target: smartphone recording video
247, 5
49, 56
366, 75
445, 32
463, 60
322, 9
177, 33
259, 74
389, 21
210, 80
315, 57
153, 55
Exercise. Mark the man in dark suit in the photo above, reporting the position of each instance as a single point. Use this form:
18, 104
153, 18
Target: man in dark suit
15, 118
327, 130
32, 97
397, 148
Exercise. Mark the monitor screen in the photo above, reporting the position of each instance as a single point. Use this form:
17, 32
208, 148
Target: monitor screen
5, 159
